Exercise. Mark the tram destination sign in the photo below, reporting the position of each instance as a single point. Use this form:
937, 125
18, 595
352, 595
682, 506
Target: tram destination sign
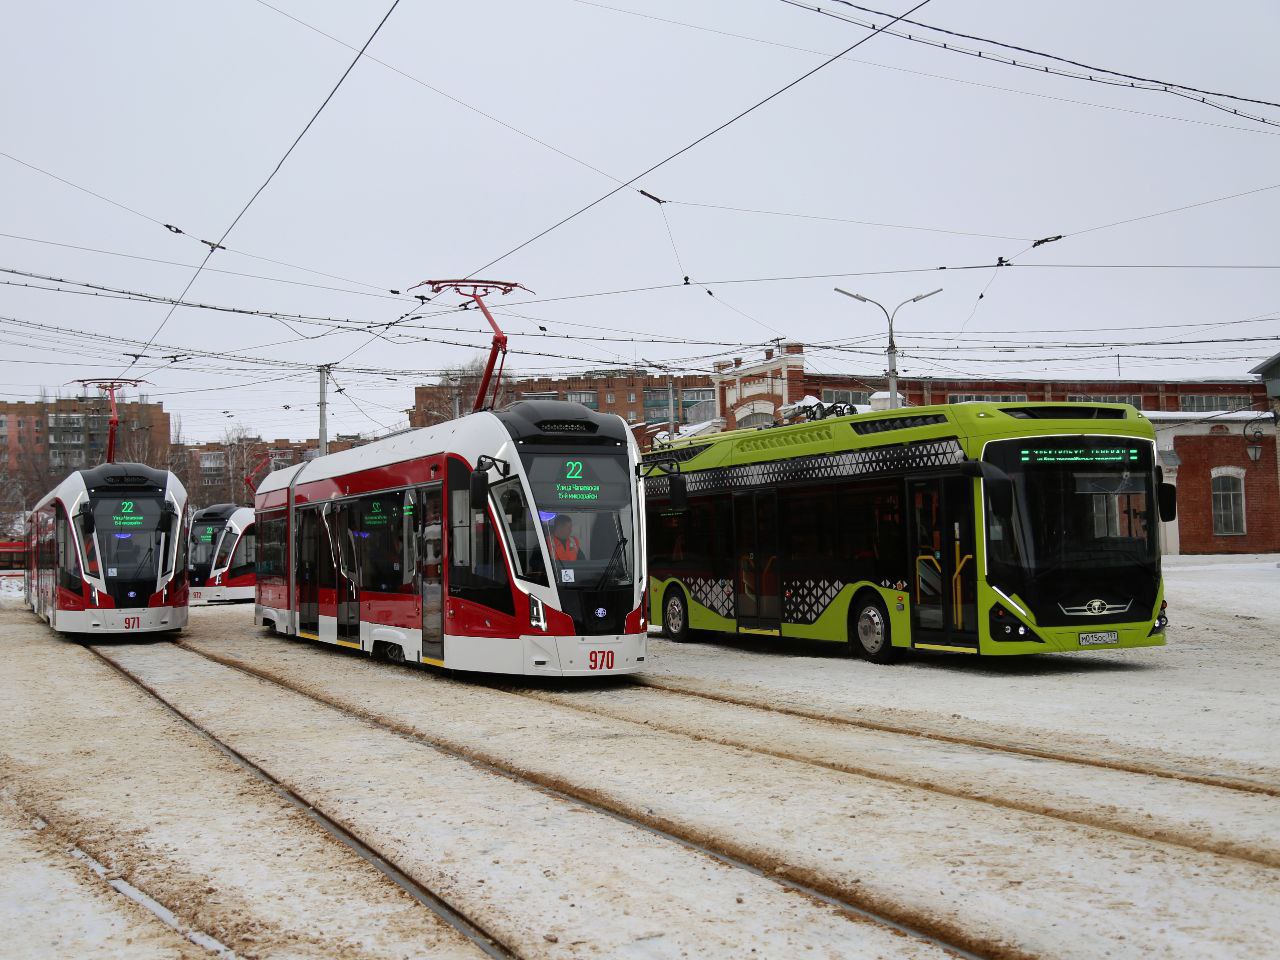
575, 485
1115, 454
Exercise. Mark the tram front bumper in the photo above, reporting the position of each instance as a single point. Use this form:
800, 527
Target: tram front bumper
125, 620
585, 656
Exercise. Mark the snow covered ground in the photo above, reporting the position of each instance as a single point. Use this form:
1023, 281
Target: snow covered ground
746, 798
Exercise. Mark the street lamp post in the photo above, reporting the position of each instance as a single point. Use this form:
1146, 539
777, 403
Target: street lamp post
892, 351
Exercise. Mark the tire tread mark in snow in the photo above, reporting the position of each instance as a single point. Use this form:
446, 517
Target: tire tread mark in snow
972, 948
1237, 784
1154, 834
472, 931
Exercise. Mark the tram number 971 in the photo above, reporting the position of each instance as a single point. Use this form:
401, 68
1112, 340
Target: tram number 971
132, 623
600, 660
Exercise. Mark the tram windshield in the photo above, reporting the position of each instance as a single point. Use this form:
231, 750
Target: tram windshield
583, 504
204, 540
130, 537
1083, 507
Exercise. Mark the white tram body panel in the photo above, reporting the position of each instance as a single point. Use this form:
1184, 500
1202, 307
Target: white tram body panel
491, 593
107, 551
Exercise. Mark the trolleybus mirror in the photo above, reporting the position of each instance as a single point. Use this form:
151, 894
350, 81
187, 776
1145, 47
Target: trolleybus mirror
479, 489
679, 491
1167, 494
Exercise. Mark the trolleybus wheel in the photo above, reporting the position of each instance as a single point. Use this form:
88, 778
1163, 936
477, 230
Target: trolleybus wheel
675, 615
869, 631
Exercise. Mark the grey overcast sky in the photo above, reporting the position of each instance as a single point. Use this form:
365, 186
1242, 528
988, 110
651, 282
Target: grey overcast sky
179, 110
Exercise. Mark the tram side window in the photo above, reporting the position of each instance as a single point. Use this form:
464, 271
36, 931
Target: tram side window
524, 534
477, 570
244, 559
872, 542
271, 547
68, 561
225, 545
385, 543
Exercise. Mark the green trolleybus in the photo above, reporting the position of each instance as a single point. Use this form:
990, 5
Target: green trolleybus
988, 528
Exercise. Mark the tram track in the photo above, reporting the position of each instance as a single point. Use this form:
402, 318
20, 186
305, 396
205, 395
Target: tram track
1238, 784
957, 942
466, 927
1159, 832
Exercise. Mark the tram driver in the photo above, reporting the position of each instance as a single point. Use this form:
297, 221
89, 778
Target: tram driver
565, 547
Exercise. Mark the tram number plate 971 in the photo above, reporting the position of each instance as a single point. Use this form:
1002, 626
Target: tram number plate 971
1100, 638
600, 660
132, 623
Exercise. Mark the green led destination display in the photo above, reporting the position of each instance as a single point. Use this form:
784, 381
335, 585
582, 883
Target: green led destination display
1123, 454
126, 518
376, 516
573, 485
204, 534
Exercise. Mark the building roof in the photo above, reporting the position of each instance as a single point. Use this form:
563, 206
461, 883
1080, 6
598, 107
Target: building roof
1269, 367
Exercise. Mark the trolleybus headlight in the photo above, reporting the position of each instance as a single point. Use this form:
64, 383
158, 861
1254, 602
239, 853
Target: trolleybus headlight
537, 613
1162, 620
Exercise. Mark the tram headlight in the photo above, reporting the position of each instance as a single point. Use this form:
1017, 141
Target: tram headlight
537, 613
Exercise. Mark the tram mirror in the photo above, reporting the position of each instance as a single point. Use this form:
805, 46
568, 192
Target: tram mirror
1167, 494
86, 520
679, 491
479, 489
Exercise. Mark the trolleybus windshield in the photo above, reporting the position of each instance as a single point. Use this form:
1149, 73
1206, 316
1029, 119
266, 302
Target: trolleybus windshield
1082, 507
583, 503
131, 535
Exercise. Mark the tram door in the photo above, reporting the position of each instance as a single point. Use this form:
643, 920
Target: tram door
342, 522
755, 525
944, 582
306, 572
429, 511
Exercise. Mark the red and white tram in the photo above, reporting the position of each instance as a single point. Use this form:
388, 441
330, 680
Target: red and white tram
223, 554
106, 551
506, 542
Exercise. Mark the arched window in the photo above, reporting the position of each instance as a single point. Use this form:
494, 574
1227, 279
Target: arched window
755, 420
1228, 503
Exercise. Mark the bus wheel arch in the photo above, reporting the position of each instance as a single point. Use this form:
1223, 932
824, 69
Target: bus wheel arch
870, 632
675, 613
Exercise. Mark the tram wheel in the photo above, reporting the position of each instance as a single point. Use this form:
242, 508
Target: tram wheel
675, 615
391, 652
870, 635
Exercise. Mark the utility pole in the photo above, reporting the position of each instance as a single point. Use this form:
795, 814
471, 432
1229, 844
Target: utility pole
455, 389
671, 407
324, 410
892, 352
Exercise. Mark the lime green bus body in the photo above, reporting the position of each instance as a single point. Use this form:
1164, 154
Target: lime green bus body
916, 447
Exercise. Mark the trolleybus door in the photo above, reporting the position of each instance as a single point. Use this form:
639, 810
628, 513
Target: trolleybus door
755, 523
943, 585
429, 512
307, 571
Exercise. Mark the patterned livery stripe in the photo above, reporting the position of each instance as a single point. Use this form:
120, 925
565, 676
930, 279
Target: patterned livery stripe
875, 461
804, 601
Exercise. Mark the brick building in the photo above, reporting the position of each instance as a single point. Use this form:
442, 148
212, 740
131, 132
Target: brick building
42, 440
1228, 478
214, 472
635, 395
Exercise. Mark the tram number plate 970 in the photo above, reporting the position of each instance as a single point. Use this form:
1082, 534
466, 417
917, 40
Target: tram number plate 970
600, 660
132, 623
1100, 638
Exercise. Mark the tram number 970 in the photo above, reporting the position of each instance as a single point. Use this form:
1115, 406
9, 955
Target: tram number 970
600, 660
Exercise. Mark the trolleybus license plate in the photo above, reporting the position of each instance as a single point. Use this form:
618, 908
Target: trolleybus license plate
1097, 639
